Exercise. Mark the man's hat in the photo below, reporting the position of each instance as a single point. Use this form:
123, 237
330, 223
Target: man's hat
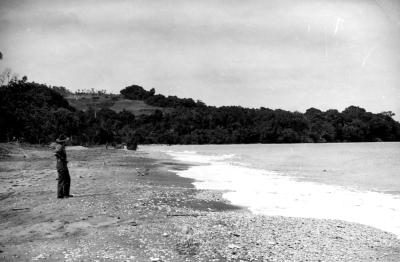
62, 138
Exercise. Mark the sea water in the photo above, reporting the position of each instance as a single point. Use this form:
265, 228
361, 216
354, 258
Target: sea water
355, 182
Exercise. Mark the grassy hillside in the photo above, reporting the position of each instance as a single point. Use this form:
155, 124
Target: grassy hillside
136, 107
113, 102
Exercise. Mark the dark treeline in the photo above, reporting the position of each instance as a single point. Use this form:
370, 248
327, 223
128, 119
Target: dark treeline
37, 113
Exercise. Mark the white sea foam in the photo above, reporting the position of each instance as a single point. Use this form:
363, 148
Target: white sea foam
193, 157
269, 193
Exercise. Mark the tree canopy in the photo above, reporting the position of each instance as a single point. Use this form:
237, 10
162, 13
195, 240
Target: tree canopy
38, 114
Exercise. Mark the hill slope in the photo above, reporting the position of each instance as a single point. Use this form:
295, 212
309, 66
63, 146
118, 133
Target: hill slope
113, 102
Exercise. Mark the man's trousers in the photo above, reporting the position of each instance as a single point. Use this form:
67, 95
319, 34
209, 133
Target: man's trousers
64, 182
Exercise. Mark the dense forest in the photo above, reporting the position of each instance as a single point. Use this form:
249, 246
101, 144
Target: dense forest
37, 113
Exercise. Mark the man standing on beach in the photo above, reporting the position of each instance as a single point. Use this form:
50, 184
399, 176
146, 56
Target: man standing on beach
64, 180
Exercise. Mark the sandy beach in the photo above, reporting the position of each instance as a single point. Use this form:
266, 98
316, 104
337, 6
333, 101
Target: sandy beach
128, 206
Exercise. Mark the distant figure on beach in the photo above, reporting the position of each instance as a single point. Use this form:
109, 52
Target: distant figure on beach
132, 144
64, 180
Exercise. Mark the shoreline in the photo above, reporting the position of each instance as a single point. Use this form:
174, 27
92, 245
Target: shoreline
129, 207
253, 187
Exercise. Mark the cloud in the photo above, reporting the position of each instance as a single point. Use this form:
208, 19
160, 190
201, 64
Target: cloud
283, 53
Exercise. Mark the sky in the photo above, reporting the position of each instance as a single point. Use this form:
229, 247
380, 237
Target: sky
288, 54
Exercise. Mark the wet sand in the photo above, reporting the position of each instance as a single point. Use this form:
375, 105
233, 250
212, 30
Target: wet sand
127, 206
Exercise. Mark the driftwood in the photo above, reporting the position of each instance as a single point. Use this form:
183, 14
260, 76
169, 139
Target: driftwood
19, 209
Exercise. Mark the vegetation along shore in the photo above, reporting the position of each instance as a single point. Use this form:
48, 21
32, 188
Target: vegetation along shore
37, 114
